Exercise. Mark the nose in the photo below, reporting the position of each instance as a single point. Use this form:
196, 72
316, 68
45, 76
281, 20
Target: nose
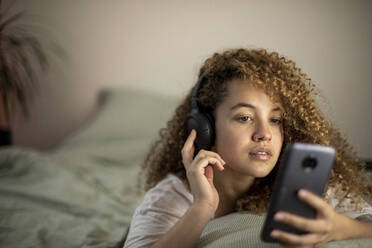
262, 132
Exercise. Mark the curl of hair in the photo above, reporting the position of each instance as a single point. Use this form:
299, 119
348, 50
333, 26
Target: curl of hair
303, 121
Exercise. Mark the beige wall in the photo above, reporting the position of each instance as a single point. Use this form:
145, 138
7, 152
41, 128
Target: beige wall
159, 45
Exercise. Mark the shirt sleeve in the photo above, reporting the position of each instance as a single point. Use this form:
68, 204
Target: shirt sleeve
161, 208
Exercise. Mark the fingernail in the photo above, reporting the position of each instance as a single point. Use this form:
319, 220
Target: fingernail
302, 193
279, 216
274, 234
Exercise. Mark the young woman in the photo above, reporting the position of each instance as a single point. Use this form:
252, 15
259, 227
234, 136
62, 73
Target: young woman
258, 102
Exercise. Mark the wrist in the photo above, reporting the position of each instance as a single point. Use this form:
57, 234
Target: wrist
352, 229
361, 229
345, 228
203, 209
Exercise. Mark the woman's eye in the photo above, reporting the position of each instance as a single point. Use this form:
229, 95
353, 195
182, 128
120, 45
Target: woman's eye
244, 118
276, 121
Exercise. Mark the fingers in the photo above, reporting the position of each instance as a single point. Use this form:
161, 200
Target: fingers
188, 154
301, 223
203, 154
296, 240
198, 166
315, 201
319, 229
209, 173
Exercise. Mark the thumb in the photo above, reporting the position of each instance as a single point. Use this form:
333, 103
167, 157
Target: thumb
209, 174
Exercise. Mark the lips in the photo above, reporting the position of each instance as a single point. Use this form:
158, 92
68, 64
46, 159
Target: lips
260, 153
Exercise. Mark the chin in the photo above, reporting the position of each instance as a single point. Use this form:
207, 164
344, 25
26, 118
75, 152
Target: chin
260, 171
255, 168
261, 174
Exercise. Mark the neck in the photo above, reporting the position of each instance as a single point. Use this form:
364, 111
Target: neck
230, 186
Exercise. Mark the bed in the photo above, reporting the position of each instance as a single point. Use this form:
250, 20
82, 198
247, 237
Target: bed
84, 192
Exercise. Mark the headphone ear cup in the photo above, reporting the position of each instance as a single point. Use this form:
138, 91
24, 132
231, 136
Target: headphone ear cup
203, 123
212, 133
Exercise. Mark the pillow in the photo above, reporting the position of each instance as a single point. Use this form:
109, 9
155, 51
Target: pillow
126, 113
126, 123
243, 229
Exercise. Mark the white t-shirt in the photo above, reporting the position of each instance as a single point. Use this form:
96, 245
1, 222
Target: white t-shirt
168, 201
161, 208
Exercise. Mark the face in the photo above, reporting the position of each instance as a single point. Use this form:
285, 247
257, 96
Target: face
249, 132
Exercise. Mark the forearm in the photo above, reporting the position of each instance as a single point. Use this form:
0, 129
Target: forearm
353, 229
360, 229
186, 232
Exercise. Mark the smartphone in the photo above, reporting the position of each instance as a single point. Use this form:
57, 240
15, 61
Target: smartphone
304, 166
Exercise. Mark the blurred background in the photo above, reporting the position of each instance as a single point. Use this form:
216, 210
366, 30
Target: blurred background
158, 46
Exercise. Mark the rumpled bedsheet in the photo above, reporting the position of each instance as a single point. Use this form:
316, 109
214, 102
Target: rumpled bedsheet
82, 193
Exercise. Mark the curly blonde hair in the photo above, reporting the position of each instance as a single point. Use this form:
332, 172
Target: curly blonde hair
303, 121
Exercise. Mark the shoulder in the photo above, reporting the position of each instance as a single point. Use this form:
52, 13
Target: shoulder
170, 193
161, 208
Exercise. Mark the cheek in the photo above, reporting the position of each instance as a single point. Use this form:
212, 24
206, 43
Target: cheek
228, 143
278, 141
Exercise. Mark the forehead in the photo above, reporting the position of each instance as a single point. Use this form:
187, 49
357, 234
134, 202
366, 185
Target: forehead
243, 91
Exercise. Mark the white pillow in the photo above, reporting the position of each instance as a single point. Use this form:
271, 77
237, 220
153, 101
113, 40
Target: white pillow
126, 113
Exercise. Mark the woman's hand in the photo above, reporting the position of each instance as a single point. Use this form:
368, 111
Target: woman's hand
200, 173
328, 225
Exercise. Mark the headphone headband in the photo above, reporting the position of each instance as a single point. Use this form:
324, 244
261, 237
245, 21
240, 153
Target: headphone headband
194, 104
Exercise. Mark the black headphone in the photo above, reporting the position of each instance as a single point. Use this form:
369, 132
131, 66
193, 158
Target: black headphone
201, 121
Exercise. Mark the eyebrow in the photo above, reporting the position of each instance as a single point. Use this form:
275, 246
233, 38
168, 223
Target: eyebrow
248, 105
